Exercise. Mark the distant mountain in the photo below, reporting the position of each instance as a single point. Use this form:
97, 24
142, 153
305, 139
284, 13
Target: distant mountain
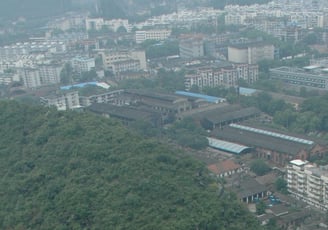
72, 170
33, 8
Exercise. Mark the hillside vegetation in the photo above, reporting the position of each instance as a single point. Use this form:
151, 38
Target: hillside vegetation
68, 170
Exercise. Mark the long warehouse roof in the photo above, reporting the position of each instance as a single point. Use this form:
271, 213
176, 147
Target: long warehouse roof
227, 146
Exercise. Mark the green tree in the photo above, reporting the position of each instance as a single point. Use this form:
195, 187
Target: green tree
260, 207
281, 185
259, 167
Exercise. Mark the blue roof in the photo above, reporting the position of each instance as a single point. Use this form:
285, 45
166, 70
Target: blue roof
80, 85
227, 146
208, 98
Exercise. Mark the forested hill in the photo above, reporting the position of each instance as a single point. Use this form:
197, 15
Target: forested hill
68, 170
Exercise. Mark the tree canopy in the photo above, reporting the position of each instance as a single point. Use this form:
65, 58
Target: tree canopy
72, 170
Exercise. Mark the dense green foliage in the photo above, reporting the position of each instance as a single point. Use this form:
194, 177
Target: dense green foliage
281, 185
259, 167
69, 170
168, 81
260, 207
187, 133
158, 50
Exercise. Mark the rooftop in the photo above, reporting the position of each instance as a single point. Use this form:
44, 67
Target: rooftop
253, 139
227, 146
298, 162
224, 166
207, 98
248, 187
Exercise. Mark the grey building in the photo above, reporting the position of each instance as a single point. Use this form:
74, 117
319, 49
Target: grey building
311, 76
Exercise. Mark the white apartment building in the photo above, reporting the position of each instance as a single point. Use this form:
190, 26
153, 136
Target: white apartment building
62, 101
110, 57
108, 98
114, 24
158, 35
227, 77
83, 64
8, 78
309, 183
129, 65
30, 77
50, 74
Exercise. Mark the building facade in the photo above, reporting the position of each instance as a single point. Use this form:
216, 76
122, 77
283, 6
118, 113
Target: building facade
308, 183
83, 64
62, 101
250, 53
227, 76
158, 35
191, 47
308, 77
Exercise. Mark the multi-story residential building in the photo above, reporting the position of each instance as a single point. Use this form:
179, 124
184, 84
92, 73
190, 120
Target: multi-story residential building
129, 65
310, 76
30, 77
158, 35
308, 182
62, 101
83, 64
250, 53
111, 97
226, 76
110, 57
49, 74
191, 46
114, 24
8, 78
27, 48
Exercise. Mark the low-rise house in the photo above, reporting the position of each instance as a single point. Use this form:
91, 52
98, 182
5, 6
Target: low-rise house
248, 190
225, 168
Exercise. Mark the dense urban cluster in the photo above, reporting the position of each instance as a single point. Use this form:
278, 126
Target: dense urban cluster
233, 95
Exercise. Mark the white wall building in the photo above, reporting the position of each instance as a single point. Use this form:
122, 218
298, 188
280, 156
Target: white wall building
62, 101
110, 57
30, 77
83, 64
308, 183
158, 35
114, 24
227, 77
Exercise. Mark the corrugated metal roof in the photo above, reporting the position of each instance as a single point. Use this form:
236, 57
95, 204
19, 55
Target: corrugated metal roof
208, 98
227, 146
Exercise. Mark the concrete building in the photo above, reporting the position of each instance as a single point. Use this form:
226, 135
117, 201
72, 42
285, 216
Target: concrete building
64, 100
100, 23
227, 76
310, 76
30, 77
129, 65
158, 35
110, 97
277, 147
308, 183
250, 53
50, 74
110, 57
83, 64
191, 47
